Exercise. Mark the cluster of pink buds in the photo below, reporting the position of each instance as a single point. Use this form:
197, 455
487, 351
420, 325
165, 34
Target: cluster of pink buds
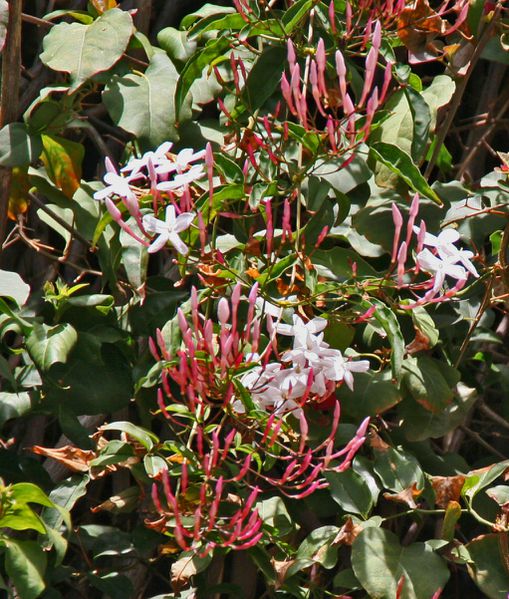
205, 366
301, 468
165, 177
213, 523
327, 95
435, 255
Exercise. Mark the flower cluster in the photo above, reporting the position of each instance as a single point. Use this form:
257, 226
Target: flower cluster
443, 260
315, 369
155, 174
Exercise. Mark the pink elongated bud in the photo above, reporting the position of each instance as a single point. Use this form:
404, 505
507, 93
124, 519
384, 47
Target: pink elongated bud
348, 18
313, 79
367, 32
209, 163
182, 321
184, 477
402, 256
366, 316
371, 61
332, 17
331, 131
269, 225
321, 63
420, 237
322, 236
290, 52
398, 224
377, 36
295, 84
387, 81
287, 94
235, 73
348, 107
341, 72
371, 107
223, 311
241, 10
414, 209
116, 215
309, 491
243, 471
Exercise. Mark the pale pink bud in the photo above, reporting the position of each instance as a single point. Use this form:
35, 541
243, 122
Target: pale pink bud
223, 311
321, 62
332, 17
341, 71
291, 54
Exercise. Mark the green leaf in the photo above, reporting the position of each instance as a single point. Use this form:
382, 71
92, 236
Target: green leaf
344, 178
379, 562
142, 103
30, 493
422, 123
373, 394
12, 285
112, 584
25, 564
430, 382
134, 256
13, 405
98, 379
489, 564
22, 517
17, 146
207, 10
420, 424
390, 324
336, 264
499, 493
85, 50
295, 14
350, 492
438, 94
397, 470
176, 44
476, 481
262, 80
48, 345
402, 164
65, 495
193, 68
317, 548
215, 22
143, 436
273, 512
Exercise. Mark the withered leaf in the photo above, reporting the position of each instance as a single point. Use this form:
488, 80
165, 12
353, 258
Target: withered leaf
407, 496
447, 488
74, 458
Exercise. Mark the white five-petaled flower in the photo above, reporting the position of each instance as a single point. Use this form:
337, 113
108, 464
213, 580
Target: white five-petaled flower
116, 184
447, 251
158, 159
183, 179
440, 268
180, 162
168, 229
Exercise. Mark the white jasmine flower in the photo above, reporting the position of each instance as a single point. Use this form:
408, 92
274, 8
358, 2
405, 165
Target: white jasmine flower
301, 330
116, 185
180, 162
440, 268
168, 229
444, 244
158, 158
181, 180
